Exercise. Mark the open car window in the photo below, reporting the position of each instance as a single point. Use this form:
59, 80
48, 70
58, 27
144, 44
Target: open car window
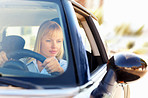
92, 41
20, 24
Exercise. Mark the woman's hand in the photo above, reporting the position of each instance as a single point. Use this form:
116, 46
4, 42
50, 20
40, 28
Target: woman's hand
52, 65
3, 58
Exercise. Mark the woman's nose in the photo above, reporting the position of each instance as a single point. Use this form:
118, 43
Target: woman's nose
53, 45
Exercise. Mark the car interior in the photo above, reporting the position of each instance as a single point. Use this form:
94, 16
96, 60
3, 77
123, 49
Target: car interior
22, 35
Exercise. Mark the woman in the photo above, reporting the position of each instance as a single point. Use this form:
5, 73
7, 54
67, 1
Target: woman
49, 43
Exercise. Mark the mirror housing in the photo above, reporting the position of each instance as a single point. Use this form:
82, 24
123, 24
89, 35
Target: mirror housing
128, 67
121, 68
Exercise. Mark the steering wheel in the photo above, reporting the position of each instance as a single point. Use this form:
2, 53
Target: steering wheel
13, 45
18, 54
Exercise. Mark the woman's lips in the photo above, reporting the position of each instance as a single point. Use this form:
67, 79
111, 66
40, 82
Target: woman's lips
53, 52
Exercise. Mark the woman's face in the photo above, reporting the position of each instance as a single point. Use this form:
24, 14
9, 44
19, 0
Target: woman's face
51, 44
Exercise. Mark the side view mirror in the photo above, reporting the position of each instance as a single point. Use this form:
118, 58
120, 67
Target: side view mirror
121, 68
127, 67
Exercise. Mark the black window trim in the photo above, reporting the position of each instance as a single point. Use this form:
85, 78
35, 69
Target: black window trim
97, 38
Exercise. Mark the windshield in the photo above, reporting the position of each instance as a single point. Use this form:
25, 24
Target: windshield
32, 39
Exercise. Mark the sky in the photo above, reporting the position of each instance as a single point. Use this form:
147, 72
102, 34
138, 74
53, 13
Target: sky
126, 11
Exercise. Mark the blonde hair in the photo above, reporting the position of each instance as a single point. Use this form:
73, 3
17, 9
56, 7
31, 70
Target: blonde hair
46, 27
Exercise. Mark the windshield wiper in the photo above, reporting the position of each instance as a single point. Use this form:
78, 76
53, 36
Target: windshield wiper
19, 83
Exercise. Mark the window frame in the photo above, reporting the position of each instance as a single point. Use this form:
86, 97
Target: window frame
92, 32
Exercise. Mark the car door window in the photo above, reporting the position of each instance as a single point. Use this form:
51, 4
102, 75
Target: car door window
93, 53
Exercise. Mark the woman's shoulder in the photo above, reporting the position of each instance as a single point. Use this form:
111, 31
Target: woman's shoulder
62, 60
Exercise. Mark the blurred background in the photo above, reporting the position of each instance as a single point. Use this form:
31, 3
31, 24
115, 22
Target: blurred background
124, 26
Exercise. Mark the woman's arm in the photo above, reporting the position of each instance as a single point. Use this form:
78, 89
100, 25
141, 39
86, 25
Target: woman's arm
52, 65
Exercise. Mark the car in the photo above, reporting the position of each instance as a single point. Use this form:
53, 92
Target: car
90, 72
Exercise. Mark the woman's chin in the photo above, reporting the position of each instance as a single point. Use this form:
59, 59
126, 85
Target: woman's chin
52, 56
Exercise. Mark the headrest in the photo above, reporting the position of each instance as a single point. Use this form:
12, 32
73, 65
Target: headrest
56, 20
12, 43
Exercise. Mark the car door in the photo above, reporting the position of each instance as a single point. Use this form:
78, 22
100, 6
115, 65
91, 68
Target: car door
95, 48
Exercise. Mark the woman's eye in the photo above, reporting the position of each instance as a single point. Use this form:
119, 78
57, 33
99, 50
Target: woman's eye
48, 40
59, 41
